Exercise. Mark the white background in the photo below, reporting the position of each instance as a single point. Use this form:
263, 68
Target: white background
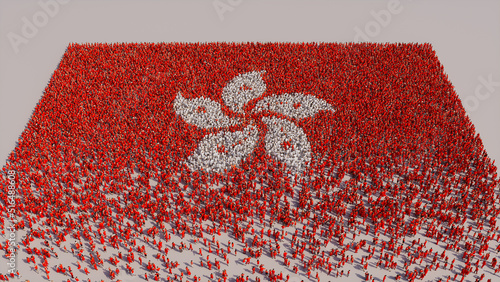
465, 35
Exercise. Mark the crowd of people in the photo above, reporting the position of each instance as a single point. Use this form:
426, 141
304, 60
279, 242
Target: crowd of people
284, 141
308, 156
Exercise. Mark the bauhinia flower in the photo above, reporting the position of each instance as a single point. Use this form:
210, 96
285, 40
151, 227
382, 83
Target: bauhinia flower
284, 141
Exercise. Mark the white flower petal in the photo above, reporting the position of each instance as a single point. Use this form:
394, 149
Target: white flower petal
220, 151
202, 112
242, 89
295, 105
287, 143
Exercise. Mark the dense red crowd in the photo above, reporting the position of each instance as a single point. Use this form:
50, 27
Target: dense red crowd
105, 128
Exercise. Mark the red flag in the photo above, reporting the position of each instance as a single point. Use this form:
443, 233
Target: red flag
311, 140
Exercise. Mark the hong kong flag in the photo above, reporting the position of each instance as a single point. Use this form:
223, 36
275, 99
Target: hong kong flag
251, 161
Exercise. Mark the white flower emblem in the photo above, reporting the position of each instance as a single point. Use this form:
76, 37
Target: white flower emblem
284, 141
